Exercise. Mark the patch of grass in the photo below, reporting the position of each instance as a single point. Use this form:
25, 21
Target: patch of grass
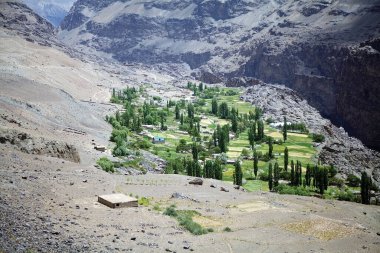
143, 201
256, 185
185, 219
294, 190
105, 164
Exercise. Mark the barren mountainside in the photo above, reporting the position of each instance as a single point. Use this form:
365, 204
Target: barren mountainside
327, 49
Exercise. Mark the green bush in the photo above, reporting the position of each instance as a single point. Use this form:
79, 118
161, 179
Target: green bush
143, 201
106, 164
318, 137
334, 181
170, 211
119, 134
263, 176
353, 180
293, 190
227, 229
285, 175
120, 150
344, 195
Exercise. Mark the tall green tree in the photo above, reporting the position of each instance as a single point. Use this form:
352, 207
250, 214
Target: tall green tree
177, 112
308, 175
286, 159
270, 177
252, 134
276, 174
285, 130
238, 175
255, 163
292, 174
214, 106
365, 186
195, 151
270, 144
197, 169
223, 110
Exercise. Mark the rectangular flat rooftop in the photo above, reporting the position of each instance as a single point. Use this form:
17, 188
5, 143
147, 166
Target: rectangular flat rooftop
118, 200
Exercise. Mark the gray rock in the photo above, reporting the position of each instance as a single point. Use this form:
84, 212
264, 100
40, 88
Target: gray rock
196, 181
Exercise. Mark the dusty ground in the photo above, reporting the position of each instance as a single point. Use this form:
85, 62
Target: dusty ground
50, 205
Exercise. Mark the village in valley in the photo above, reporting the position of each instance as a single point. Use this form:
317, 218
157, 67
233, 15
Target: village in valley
212, 132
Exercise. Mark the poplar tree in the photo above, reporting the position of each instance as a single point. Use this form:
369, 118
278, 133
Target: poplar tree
255, 163
270, 144
292, 175
308, 175
286, 159
285, 130
365, 188
270, 177
238, 175
214, 106
177, 112
276, 175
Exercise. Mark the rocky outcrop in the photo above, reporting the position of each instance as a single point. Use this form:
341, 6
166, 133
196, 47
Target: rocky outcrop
341, 82
38, 145
19, 18
347, 154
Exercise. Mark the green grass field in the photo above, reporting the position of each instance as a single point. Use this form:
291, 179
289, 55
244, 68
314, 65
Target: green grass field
300, 145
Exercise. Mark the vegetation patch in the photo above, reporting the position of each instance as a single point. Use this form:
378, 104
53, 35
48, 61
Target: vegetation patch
185, 219
105, 164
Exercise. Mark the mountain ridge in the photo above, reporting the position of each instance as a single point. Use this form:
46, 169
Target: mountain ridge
311, 47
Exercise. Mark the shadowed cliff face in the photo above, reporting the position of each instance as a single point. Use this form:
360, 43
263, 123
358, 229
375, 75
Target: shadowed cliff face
343, 83
325, 49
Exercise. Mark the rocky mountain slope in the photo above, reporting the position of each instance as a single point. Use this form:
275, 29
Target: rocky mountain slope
51, 11
347, 154
326, 49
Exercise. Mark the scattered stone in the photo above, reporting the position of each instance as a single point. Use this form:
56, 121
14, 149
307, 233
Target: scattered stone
224, 189
133, 238
178, 195
71, 183
213, 186
84, 181
24, 177
196, 181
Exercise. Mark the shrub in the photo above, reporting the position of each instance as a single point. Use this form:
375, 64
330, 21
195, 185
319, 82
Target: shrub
227, 229
353, 180
105, 164
170, 211
344, 195
263, 176
143, 201
120, 151
293, 190
336, 182
318, 137
332, 171
285, 175
119, 133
